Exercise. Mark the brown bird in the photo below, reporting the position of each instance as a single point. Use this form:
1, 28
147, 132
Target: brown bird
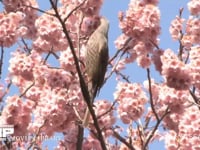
96, 61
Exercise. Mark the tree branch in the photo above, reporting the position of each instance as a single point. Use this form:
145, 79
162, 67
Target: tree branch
83, 86
121, 139
151, 95
151, 134
1, 60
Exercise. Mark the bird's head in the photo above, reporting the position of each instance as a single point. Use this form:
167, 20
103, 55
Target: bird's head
104, 26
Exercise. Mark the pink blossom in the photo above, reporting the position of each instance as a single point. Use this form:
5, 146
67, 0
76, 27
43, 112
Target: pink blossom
192, 29
30, 17
187, 41
89, 8
66, 59
143, 61
186, 136
120, 65
22, 64
176, 73
176, 28
70, 138
194, 7
120, 42
131, 99
91, 143
50, 34
175, 100
17, 113
140, 26
145, 20
9, 25
105, 115
195, 65
154, 2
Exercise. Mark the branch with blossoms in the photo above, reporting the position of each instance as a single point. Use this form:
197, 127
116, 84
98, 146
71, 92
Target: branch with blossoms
48, 67
81, 79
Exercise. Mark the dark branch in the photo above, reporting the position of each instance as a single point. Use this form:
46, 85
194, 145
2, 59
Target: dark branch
151, 95
151, 134
83, 86
121, 139
1, 60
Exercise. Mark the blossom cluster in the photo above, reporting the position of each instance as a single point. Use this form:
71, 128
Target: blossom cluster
105, 114
176, 73
187, 30
190, 35
54, 93
50, 31
131, 99
89, 7
10, 28
20, 67
30, 15
176, 28
187, 136
194, 7
195, 65
17, 113
140, 27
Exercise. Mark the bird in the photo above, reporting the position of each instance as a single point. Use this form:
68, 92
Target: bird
96, 61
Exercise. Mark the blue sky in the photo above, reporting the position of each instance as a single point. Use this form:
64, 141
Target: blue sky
169, 9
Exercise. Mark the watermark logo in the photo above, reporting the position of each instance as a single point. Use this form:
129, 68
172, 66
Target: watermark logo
6, 131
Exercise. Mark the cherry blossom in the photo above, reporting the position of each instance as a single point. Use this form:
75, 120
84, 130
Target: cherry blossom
10, 26
45, 93
18, 113
24, 6
131, 99
192, 30
176, 73
141, 24
194, 7
194, 65
176, 28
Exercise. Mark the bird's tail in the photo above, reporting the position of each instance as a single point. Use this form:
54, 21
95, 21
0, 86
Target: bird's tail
87, 112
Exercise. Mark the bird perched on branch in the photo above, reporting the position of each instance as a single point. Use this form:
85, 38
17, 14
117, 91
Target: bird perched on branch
96, 61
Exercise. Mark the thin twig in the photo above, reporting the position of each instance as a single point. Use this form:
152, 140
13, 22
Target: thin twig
109, 110
196, 99
151, 134
36, 136
6, 91
114, 66
181, 47
45, 59
1, 60
124, 48
151, 95
26, 49
76, 8
40, 10
121, 139
28, 88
